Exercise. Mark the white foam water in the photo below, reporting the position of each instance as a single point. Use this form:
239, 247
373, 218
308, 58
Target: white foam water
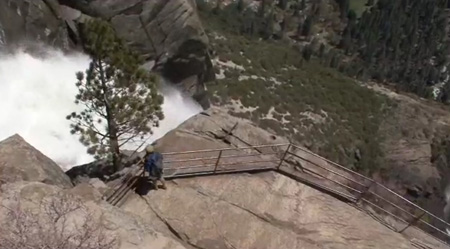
37, 93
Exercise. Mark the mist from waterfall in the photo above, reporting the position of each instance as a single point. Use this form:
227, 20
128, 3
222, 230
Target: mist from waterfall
38, 92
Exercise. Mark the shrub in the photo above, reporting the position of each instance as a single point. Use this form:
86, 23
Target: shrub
353, 113
53, 227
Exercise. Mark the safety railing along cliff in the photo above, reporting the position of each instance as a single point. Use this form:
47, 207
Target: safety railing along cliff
382, 203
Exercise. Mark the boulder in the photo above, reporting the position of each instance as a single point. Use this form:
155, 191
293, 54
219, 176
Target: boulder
31, 21
216, 128
21, 161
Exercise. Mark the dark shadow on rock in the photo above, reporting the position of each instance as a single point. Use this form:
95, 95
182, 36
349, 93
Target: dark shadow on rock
103, 169
190, 68
143, 186
192, 59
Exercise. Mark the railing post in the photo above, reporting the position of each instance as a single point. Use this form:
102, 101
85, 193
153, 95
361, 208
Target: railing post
412, 222
366, 189
284, 155
218, 159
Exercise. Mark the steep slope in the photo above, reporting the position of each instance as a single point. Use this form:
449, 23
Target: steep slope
398, 138
260, 211
264, 210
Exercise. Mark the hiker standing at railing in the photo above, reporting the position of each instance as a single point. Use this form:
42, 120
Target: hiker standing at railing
154, 166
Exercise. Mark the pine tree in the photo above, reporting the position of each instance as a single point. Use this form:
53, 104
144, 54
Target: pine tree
216, 10
120, 99
370, 3
343, 7
307, 25
346, 40
262, 8
303, 5
321, 50
268, 30
307, 52
283, 4
240, 5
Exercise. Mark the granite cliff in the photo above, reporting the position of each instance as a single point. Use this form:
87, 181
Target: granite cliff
263, 210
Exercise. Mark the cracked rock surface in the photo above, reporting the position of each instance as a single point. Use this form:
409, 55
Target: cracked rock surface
130, 230
259, 211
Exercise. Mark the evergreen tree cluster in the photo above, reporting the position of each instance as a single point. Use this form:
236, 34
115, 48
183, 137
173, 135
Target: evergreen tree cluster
400, 41
261, 23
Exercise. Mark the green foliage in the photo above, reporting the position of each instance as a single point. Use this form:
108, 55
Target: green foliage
307, 52
402, 42
359, 6
240, 5
346, 116
343, 7
120, 100
307, 25
283, 4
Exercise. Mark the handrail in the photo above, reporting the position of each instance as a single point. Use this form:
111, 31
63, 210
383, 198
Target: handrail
331, 162
224, 149
404, 199
396, 206
329, 170
322, 172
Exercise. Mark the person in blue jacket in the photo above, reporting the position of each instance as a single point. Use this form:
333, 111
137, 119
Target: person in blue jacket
154, 166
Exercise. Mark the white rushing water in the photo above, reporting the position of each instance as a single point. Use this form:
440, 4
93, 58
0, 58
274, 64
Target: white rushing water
37, 93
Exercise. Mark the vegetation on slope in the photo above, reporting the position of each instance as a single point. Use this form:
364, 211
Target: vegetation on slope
278, 89
402, 42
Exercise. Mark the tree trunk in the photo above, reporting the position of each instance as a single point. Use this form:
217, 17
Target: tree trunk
112, 126
114, 144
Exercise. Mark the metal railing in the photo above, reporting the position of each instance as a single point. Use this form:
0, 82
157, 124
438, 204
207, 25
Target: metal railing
305, 166
204, 162
364, 192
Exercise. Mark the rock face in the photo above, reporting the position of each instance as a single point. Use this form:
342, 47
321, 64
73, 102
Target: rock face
264, 210
34, 194
28, 21
209, 130
77, 204
167, 31
260, 211
21, 161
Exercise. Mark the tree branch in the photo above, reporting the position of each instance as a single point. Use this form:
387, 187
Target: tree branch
94, 129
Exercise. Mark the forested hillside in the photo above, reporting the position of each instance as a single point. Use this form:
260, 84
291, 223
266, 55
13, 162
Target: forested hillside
263, 76
403, 42
400, 42
306, 69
